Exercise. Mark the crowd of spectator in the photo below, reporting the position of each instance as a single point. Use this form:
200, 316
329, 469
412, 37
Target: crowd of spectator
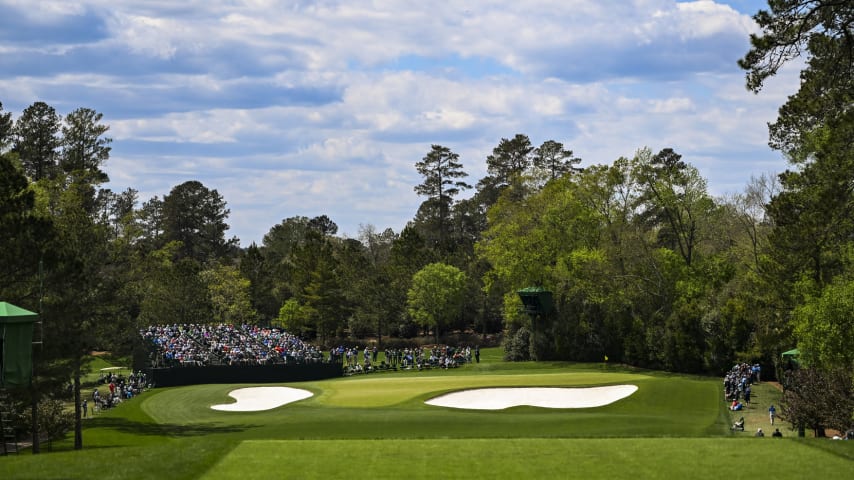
120, 388
288, 347
737, 384
414, 358
222, 344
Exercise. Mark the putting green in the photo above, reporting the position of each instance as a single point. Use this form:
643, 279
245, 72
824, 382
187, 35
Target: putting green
380, 391
393, 406
192, 404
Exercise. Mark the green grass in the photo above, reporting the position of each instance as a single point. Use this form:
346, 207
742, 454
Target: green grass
101, 365
529, 458
378, 426
763, 395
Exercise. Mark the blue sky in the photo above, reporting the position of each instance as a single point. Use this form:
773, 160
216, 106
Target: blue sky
309, 108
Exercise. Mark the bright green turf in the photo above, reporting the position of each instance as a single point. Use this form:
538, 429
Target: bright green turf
392, 406
378, 426
664, 458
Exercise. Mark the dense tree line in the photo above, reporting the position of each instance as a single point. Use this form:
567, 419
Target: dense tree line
644, 265
808, 265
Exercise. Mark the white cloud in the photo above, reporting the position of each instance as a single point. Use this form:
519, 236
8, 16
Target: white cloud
46, 11
672, 105
146, 35
309, 108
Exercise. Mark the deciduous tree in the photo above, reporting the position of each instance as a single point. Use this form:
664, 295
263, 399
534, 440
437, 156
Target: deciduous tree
436, 296
228, 292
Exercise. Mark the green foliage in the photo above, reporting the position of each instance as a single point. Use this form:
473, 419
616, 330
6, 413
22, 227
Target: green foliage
824, 327
6, 126
551, 160
819, 31
372, 283
254, 267
818, 398
510, 160
441, 170
436, 296
644, 265
228, 293
789, 27
195, 216
84, 147
23, 234
813, 225
54, 420
171, 289
674, 200
525, 240
630, 253
37, 140
318, 285
295, 318
276, 273
517, 347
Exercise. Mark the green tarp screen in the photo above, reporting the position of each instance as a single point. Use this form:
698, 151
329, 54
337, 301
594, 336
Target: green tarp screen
792, 353
536, 300
16, 345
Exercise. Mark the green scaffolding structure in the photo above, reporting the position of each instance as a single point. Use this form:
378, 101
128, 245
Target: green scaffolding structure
16, 365
16, 345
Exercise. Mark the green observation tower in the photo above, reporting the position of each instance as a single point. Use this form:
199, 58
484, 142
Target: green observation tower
16, 365
16, 345
537, 303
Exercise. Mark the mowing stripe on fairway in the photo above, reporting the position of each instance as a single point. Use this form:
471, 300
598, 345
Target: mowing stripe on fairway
529, 458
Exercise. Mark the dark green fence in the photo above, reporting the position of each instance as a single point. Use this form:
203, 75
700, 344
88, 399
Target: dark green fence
171, 377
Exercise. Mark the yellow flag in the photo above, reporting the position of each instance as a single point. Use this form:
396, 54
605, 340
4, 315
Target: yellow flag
606, 358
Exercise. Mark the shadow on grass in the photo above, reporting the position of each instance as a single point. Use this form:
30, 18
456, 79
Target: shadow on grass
840, 448
124, 425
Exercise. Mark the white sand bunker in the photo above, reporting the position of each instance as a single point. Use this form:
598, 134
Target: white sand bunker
256, 399
548, 397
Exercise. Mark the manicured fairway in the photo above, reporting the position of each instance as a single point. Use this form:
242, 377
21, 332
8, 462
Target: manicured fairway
378, 426
664, 458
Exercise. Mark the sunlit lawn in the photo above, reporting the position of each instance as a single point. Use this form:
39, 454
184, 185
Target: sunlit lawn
378, 426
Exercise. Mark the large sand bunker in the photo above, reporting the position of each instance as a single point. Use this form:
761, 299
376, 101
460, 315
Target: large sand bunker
255, 399
547, 397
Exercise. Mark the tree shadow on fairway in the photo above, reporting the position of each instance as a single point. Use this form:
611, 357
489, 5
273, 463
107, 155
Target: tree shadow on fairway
125, 425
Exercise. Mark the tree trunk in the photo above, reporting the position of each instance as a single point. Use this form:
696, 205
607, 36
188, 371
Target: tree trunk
78, 422
35, 424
